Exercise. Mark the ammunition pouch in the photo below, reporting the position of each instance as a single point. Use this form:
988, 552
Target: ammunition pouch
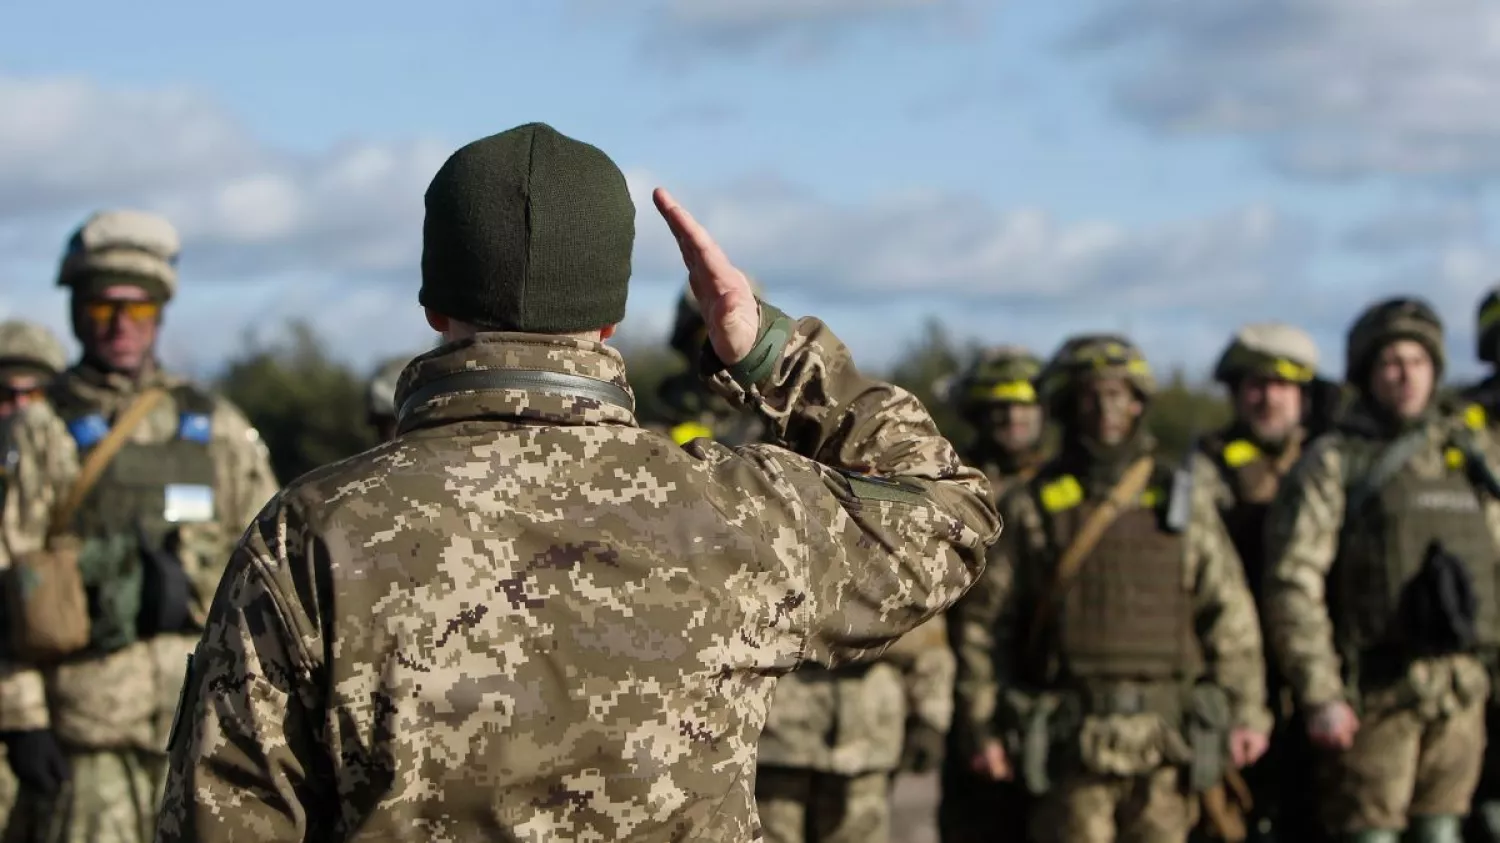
46, 607
1206, 723
1041, 724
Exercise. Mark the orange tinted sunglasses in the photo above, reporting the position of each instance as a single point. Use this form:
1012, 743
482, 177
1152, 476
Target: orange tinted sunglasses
11, 393
104, 312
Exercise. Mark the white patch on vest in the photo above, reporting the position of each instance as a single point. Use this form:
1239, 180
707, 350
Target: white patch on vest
1448, 500
189, 503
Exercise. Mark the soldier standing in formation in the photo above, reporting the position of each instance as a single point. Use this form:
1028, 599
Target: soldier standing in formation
128, 488
1483, 824
1268, 369
1381, 556
527, 618
1114, 647
30, 357
998, 398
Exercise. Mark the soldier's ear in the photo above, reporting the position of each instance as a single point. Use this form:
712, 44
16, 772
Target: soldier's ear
437, 321
606, 332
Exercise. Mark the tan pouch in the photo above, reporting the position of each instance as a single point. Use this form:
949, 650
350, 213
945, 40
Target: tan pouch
46, 606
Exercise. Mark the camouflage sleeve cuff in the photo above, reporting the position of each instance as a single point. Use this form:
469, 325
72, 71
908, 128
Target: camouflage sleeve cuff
774, 333
1322, 692
1256, 718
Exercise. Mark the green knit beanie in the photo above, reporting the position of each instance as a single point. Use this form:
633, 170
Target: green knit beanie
528, 230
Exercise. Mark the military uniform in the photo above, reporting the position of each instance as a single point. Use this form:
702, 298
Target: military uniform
29, 354
380, 396
1116, 704
186, 482
526, 617
1484, 821
1352, 582
972, 808
1249, 469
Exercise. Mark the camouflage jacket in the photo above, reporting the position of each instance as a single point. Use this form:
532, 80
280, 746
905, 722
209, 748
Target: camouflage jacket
526, 618
1302, 544
852, 720
127, 697
993, 617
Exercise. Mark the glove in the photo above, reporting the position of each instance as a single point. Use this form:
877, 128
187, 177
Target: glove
38, 761
922, 748
166, 591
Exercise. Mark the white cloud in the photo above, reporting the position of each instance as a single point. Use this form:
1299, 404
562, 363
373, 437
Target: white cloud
796, 28
1331, 88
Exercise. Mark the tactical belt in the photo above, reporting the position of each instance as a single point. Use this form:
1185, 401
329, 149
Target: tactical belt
531, 380
1124, 698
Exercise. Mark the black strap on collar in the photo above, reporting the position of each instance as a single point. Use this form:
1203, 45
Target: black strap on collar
537, 380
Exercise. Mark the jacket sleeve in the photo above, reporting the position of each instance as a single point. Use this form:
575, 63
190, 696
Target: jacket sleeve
1302, 531
1227, 622
877, 522
43, 462
244, 762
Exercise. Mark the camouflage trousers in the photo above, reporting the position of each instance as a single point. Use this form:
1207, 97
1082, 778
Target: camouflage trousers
8, 788
804, 806
111, 798
977, 810
1402, 765
1483, 825
1087, 808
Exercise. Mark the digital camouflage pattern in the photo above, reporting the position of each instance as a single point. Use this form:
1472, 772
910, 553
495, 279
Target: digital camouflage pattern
527, 618
1302, 538
993, 689
124, 701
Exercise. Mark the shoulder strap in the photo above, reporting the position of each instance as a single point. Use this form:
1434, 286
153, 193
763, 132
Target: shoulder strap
1129, 489
1391, 460
100, 455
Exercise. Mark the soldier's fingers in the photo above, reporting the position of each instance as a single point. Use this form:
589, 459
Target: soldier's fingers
710, 272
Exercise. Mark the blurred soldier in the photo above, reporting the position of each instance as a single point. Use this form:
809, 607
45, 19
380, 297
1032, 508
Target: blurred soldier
998, 398
129, 487
1486, 393
1112, 652
1269, 370
1484, 820
30, 357
380, 397
525, 618
1391, 516
693, 410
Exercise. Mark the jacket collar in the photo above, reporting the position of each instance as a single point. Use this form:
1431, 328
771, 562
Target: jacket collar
519, 377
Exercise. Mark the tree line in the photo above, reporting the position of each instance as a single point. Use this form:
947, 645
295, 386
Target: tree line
310, 407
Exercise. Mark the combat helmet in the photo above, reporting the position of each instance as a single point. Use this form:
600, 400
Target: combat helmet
122, 247
1005, 374
1093, 356
27, 346
380, 389
688, 329
1269, 349
1385, 322
1487, 328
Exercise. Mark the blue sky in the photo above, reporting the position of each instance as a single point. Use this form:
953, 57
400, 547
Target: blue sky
1018, 169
